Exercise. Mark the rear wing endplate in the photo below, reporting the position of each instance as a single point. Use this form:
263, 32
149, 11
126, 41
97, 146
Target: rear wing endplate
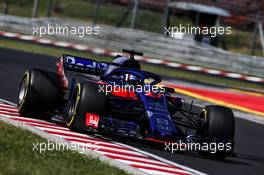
83, 65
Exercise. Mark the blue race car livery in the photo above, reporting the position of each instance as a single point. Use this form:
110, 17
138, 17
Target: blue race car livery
118, 98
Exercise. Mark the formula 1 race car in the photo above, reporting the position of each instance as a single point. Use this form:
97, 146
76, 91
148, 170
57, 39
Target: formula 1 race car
119, 98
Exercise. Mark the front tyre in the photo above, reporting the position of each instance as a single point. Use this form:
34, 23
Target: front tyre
86, 98
218, 128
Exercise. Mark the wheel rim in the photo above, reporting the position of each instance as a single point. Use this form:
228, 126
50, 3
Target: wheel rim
73, 105
23, 90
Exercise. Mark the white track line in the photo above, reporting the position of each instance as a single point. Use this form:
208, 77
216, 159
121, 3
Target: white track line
88, 140
174, 169
8, 102
122, 157
98, 147
156, 172
23, 119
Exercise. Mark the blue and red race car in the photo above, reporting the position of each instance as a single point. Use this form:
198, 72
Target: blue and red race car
118, 98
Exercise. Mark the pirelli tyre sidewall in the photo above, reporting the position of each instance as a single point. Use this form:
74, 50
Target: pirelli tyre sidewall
73, 107
86, 98
23, 91
39, 94
220, 124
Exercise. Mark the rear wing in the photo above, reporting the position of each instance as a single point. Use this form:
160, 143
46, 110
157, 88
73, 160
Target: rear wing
132, 53
83, 65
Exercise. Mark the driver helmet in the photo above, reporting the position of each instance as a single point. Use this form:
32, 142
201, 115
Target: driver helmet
132, 79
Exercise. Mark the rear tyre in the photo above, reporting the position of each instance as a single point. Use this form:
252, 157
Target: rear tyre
86, 98
219, 128
39, 94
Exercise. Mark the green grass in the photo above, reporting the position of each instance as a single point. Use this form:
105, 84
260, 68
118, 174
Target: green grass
240, 42
163, 71
17, 157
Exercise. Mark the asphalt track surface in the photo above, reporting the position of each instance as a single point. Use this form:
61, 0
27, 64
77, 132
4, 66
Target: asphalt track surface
249, 141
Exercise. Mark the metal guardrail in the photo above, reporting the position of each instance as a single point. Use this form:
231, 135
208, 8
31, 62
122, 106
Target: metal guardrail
154, 45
